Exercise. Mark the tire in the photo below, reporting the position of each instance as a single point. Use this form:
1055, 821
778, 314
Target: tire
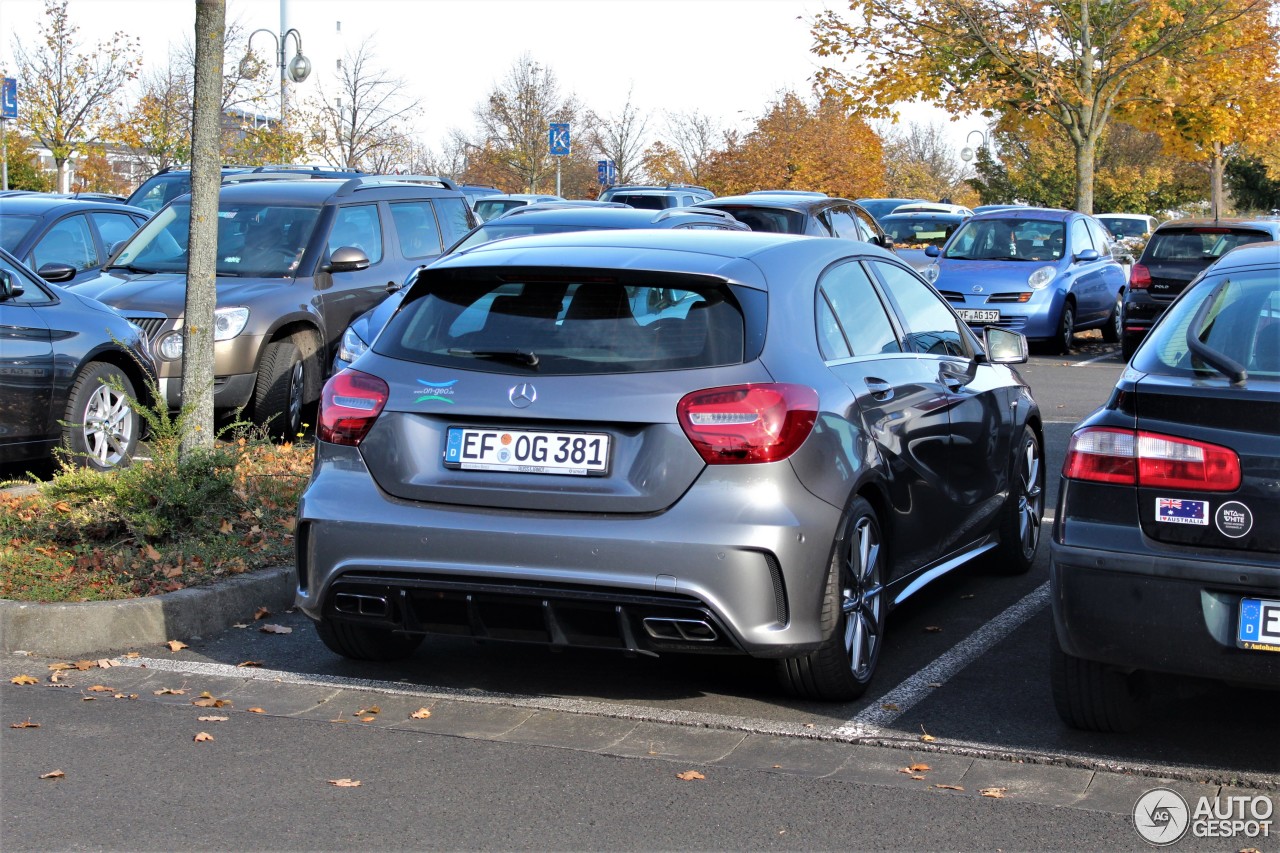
362, 642
853, 616
1093, 696
280, 393
1066, 330
100, 428
1128, 345
1113, 331
1023, 513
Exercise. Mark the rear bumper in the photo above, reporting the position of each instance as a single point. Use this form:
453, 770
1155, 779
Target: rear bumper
1152, 611
753, 574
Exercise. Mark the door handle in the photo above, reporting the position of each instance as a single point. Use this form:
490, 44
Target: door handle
879, 389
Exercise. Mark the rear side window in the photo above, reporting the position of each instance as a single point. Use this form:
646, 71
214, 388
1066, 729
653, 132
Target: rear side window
556, 324
1243, 322
416, 228
68, 242
454, 217
113, 227
932, 327
858, 314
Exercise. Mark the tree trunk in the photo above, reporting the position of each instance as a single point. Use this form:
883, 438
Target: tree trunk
1217, 165
1085, 148
64, 175
202, 243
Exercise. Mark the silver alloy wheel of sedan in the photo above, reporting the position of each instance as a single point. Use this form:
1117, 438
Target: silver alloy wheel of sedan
297, 387
860, 598
1030, 496
108, 426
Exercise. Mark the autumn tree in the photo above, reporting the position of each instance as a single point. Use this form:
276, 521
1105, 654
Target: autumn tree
1253, 186
1225, 103
684, 153
94, 173
24, 164
801, 146
621, 138
920, 162
1072, 63
358, 122
515, 120
69, 94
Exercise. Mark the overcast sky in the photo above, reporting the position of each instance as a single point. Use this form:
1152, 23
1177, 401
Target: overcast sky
725, 58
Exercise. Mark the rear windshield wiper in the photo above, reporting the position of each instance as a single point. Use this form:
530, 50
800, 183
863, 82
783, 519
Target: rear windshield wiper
512, 356
1218, 360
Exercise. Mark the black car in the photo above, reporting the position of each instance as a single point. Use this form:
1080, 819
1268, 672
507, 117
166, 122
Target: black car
41, 229
1166, 545
552, 217
1176, 253
813, 214
69, 369
167, 184
297, 260
914, 233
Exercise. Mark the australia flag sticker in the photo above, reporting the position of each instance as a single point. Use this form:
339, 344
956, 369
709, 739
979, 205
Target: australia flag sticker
1182, 511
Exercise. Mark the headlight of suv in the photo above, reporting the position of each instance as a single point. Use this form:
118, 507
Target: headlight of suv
352, 346
227, 323
1040, 279
931, 273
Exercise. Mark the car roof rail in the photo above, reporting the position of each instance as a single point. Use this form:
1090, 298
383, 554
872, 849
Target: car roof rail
672, 212
284, 167
685, 187
251, 177
369, 181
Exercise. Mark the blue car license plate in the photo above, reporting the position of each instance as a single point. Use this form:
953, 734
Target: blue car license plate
527, 451
1259, 625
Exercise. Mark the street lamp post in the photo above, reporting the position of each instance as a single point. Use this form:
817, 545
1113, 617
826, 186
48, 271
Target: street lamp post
967, 153
296, 69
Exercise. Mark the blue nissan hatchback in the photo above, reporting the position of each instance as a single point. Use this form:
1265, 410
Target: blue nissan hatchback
1045, 273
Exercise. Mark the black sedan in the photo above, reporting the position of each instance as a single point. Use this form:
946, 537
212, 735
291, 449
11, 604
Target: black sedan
43, 229
70, 371
1166, 547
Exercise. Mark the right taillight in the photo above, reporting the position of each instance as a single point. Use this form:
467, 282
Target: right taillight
1139, 277
350, 403
1139, 458
743, 424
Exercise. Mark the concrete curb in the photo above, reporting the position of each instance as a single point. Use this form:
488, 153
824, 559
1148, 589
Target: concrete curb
71, 630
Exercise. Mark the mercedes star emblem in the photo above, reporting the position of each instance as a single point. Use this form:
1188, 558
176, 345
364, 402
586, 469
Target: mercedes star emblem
522, 395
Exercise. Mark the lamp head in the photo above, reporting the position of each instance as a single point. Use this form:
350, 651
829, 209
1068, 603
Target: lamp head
299, 68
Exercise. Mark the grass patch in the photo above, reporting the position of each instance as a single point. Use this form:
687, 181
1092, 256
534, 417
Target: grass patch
155, 526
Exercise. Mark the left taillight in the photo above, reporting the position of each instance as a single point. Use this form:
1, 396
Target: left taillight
743, 424
349, 405
1148, 459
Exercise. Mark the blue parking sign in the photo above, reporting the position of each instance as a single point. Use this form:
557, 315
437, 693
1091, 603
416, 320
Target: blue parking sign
558, 138
9, 101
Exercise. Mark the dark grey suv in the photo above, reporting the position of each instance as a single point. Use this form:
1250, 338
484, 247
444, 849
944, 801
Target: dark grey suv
297, 261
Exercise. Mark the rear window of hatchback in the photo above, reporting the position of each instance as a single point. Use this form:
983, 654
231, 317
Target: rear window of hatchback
559, 324
1199, 245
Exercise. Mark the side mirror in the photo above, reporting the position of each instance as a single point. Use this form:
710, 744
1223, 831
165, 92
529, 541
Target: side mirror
886, 242
1004, 346
1087, 255
56, 273
932, 251
10, 288
115, 248
348, 259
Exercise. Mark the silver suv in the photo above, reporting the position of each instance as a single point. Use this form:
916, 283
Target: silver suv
298, 260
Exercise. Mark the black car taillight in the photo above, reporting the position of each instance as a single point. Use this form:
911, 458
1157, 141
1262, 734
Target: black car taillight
350, 403
742, 424
1139, 458
1139, 277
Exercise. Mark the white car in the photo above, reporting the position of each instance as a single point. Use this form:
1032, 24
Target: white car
1127, 224
933, 207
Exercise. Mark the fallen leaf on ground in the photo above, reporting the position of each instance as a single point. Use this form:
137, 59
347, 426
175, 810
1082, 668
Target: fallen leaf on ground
124, 696
213, 719
255, 710
55, 677
420, 714
150, 553
928, 738
950, 787
25, 724
202, 737
176, 645
889, 706
250, 663
82, 665
53, 774
997, 793
918, 768
368, 719
933, 629
372, 709
132, 655
107, 663
261, 613
207, 700
172, 571
690, 775
62, 506
169, 691
100, 688
241, 625
918, 778
225, 527
275, 629
24, 679
345, 783
55, 667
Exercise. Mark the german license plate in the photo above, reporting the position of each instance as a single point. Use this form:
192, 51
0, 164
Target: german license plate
1259, 625
980, 315
527, 451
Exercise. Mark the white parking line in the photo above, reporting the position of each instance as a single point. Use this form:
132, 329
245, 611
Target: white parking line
900, 699
1108, 357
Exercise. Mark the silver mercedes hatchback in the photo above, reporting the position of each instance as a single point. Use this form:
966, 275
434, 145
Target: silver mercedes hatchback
656, 441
